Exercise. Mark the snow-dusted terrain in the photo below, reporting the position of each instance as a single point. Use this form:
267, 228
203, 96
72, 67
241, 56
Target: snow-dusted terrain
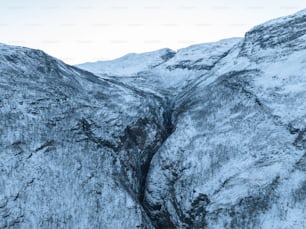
130, 64
209, 136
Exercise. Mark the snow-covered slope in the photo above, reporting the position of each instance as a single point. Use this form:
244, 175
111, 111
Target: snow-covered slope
73, 148
210, 136
130, 64
237, 156
163, 69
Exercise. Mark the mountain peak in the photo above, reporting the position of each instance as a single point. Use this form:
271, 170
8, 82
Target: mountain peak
210, 136
282, 20
129, 64
283, 32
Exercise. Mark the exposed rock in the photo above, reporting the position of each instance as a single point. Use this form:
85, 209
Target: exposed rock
210, 136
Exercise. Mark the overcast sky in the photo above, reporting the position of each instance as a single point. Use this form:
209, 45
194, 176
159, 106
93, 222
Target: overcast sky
79, 31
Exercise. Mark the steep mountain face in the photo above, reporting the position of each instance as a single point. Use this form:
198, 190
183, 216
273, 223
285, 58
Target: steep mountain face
210, 136
236, 158
74, 148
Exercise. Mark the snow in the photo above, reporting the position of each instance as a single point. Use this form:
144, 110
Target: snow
235, 156
281, 20
128, 65
151, 69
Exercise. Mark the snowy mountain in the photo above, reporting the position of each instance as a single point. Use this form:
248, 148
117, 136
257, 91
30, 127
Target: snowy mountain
210, 136
129, 64
163, 69
74, 147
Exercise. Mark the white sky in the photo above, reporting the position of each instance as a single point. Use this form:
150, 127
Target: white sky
79, 31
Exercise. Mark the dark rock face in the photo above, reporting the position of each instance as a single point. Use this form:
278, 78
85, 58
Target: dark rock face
211, 136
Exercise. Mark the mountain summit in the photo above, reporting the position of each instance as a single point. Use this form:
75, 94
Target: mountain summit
210, 136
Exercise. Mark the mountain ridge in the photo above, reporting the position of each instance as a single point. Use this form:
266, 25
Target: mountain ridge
210, 136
